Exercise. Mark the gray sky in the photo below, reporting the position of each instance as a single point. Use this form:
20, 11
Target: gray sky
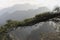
48, 3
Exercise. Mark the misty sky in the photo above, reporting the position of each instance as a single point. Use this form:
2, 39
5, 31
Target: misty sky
48, 3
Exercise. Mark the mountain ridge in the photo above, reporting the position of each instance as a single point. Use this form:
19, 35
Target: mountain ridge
14, 14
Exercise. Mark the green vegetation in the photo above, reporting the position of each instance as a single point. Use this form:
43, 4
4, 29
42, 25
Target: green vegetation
11, 24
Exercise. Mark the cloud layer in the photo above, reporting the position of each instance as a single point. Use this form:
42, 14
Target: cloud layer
47, 3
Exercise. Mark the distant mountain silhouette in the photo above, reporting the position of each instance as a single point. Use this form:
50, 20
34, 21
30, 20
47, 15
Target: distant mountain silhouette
20, 12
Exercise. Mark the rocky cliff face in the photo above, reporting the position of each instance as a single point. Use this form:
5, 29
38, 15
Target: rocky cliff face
33, 32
